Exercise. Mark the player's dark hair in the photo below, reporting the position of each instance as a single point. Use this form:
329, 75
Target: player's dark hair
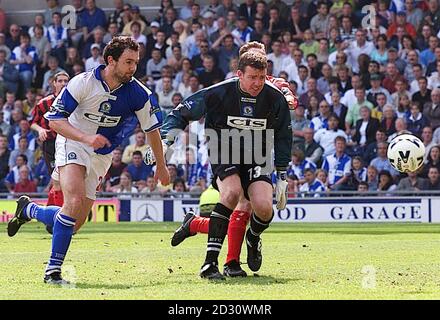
309, 170
252, 59
117, 46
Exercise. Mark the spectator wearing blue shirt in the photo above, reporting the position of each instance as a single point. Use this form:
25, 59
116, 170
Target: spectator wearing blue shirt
427, 56
98, 38
23, 148
226, 50
91, 18
194, 169
41, 174
24, 131
14, 176
57, 36
299, 165
321, 121
52, 7
24, 57
13, 38
242, 33
138, 170
416, 120
358, 174
338, 165
381, 161
312, 187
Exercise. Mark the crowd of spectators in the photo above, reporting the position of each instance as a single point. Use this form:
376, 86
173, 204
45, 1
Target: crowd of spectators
358, 86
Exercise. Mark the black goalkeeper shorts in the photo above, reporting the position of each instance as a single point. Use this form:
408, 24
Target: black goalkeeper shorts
248, 174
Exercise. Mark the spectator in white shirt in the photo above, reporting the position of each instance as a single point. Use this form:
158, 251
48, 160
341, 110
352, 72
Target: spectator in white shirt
358, 47
96, 58
303, 76
434, 79
136, 34
326, 137
277, 57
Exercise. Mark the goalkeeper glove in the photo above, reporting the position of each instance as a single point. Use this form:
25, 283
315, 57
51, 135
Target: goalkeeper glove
281, 190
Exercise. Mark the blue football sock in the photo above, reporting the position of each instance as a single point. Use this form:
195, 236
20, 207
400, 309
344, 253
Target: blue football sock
43, 214
62, 235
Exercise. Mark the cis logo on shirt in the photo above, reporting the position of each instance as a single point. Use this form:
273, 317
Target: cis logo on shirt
102, 120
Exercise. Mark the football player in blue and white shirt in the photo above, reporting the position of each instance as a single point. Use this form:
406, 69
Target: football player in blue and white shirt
312, 186
92, 115
338, 165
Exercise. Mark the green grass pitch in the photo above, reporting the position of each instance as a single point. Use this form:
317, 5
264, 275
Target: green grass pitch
300, 261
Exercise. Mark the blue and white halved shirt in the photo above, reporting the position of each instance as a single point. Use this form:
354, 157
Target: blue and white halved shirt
337, 168
89, 105
316, 186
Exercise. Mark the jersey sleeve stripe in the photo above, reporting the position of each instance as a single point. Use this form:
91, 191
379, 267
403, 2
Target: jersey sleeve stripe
156, 126
62, 107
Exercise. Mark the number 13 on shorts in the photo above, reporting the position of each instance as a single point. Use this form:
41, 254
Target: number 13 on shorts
254, 172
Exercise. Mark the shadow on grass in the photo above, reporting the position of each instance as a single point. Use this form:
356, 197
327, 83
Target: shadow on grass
115, 286
259, 280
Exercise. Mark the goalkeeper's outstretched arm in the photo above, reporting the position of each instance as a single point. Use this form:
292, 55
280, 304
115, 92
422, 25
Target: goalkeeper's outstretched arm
192, 108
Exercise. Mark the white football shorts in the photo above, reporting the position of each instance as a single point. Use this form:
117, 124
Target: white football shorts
70, 151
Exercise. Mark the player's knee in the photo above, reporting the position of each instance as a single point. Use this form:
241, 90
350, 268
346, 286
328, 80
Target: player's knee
230, 197
244, 205
74, 202
263, 209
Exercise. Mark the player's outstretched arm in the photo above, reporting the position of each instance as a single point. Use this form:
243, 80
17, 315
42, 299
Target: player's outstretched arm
192, 108
63, 127
155, 143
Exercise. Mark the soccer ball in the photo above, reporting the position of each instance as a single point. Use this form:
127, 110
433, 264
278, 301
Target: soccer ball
406, 152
